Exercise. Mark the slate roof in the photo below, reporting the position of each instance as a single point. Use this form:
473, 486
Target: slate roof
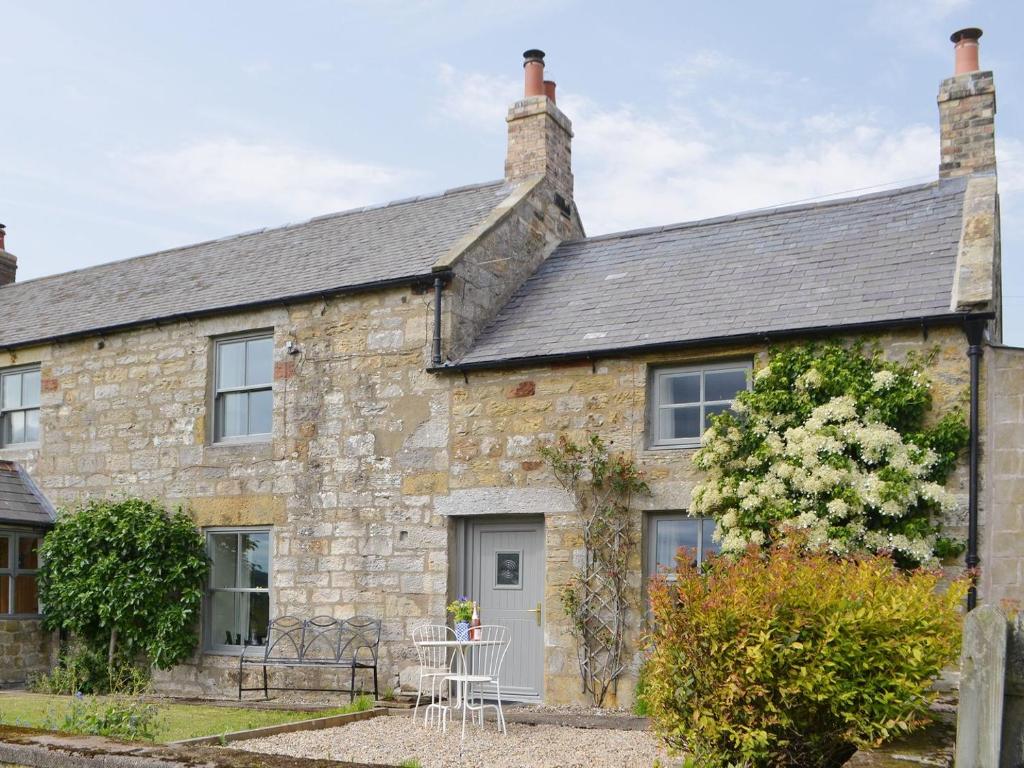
21, 501
878, 258
341, 251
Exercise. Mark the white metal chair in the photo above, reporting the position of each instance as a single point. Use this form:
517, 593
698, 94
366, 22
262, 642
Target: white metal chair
484, 668
435, 665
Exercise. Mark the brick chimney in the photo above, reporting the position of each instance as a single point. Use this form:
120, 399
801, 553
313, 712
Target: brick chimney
967, 110
8, 262
539, 133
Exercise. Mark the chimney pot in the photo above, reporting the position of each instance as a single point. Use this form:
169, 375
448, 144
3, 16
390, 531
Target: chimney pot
3, 231
533, 72
549, 90
965, 49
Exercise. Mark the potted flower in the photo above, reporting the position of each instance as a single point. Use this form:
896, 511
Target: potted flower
462, 612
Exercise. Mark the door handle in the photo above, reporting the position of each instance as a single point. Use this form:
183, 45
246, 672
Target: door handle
535, 611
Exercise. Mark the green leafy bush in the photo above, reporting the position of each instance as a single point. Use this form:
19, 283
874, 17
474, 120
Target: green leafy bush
795, 658
125, 577
837, 443
81, 669
118, 717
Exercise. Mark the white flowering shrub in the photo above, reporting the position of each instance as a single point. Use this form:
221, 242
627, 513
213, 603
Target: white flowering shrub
836, 443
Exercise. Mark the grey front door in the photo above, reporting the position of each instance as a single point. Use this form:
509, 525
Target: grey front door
504, 571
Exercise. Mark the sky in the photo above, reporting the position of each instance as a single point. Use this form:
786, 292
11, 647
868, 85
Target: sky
130, 127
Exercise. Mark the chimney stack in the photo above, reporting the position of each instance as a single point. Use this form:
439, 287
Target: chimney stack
967, 110
8, 262
540, 135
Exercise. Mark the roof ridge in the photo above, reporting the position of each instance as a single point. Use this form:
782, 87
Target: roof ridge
761, 212
266, 230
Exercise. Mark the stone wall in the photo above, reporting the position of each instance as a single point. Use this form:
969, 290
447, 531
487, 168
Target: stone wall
359, 449
371, 456
1002, 479
25, 650
501, 418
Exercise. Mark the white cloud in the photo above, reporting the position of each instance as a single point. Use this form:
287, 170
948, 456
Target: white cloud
476, 99
634, 171
283, 180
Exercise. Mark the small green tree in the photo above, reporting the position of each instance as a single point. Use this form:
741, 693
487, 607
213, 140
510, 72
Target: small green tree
837, 443
126, 577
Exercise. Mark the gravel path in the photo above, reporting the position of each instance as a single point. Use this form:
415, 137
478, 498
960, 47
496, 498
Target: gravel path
394, 739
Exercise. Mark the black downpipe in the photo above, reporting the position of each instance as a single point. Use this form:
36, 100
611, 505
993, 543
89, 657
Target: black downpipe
436, 356
975, 330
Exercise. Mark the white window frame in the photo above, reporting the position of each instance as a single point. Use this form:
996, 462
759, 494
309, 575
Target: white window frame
209, 643
6, 374
651, 536
218, 392
14, 571
656, 406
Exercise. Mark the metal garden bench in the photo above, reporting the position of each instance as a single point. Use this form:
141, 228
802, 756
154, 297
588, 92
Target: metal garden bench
322, 642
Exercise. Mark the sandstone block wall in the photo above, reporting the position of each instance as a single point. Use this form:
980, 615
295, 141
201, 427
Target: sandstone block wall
1002, 480
371, 456
25, 650
499, 419
359, 449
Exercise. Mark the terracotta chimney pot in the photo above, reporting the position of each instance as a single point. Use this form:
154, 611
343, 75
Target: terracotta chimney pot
549, 90
3, 231
533, 66
966, 50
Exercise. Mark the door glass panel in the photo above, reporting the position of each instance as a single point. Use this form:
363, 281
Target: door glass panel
26, 598
723, 385
259, 364
230, 364
507, 569
30, 389
708, 544
680, 422
670, 535
224, 553
255, 560
682, 389
261, 405
5, 595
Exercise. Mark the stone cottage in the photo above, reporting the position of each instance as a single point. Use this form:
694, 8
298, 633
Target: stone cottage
357, 402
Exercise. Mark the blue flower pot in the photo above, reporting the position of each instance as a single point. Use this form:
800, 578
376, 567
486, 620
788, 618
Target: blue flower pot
462, 631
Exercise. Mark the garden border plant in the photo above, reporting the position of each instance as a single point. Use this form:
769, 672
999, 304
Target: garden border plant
840, 443
125, 578
597, 598
795, 657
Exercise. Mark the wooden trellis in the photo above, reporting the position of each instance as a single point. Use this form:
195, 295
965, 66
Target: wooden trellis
597, 597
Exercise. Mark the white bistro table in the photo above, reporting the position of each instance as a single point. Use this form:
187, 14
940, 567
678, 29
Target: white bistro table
461, 647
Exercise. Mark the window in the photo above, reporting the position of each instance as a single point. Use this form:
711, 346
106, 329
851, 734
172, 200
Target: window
667, 532
19, 562
19, 407
684, 399
244, 401
238, 595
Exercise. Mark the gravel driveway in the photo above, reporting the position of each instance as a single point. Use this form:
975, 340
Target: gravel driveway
394, 739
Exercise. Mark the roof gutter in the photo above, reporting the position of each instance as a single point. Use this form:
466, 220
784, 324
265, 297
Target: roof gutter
424, 280
924, 322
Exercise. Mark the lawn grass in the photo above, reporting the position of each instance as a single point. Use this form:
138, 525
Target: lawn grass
175, 721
